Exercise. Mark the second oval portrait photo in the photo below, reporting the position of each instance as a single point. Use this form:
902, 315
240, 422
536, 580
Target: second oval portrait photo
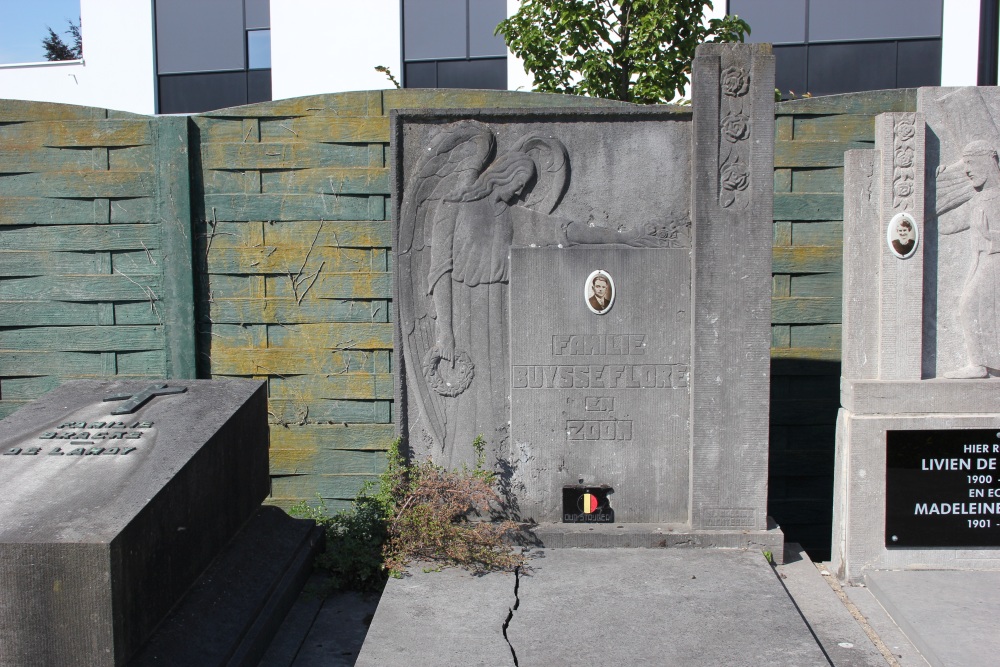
599, 292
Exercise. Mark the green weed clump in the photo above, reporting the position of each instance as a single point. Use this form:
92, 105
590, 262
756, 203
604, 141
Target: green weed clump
416, 511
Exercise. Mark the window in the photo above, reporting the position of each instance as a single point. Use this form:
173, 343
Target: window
450, 44
212, 55
821, 48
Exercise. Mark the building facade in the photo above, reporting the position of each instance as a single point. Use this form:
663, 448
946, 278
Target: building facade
182, 56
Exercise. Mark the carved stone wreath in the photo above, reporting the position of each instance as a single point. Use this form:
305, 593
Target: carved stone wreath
445, 380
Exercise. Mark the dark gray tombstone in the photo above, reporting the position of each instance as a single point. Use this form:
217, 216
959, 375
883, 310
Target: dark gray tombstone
589, 291
108, 517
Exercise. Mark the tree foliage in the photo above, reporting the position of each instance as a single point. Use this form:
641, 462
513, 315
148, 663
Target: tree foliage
630, 50
57, 49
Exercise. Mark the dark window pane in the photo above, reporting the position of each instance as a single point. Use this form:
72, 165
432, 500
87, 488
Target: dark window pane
193, 93
258, 86
774, 21
484, 15
434, 29
199, 36
846, 68
873, 19
491, 74
259, 49
258, 14
918, 63
790, 70
420, 75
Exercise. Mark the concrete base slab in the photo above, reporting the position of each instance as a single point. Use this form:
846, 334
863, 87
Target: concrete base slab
235, 608
902, 649
653, 536
949, 616
840, 635
595, 606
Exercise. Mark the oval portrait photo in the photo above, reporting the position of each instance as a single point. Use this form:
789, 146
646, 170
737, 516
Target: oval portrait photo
599, 292
901, 235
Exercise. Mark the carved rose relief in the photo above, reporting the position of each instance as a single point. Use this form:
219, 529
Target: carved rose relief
902, 188
735, 176
734, 130
903, 132
734, 127
735, 81
904, 156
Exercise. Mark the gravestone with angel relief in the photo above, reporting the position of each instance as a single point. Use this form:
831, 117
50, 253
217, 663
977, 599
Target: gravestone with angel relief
554, 270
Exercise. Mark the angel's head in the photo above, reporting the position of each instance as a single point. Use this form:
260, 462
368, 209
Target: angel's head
506, 179
980, 160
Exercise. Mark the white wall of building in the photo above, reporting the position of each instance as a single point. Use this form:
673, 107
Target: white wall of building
517, 78
960, 43
327, 46
117, 70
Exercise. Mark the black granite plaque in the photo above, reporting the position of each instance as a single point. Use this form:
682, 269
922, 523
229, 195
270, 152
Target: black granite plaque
587, 504
942, 488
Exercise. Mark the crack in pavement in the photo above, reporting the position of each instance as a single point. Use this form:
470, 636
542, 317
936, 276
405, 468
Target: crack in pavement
510, 613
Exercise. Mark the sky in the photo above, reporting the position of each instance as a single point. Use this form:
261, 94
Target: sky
23, 23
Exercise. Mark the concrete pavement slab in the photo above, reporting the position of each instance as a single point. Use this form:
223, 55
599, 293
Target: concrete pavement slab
837, 631
596, 606
657, 607
439, 618
949, 615
904, 653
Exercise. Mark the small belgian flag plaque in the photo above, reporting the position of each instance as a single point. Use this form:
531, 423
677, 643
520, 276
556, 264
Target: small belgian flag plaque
587, 504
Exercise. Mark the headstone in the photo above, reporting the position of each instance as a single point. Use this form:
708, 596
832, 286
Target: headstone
918, 436
589, 291
114, 497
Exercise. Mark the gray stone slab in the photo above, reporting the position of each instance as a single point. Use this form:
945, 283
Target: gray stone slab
902, 649
949, 616
295, 627
601, 398
443, 618
840, 635
337, 631
936, 396
599, 607
652, 536
657, 607
91, 529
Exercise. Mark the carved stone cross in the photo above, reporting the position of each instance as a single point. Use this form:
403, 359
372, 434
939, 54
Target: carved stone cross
136, 401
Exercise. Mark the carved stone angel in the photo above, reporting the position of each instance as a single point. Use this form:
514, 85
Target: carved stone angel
462, 210
974, 184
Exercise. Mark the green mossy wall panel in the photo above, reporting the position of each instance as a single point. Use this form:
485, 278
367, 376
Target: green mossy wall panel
83, 238
812, 135
82, 338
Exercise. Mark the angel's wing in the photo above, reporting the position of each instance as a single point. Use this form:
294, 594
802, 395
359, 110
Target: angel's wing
453, 159
953, 187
